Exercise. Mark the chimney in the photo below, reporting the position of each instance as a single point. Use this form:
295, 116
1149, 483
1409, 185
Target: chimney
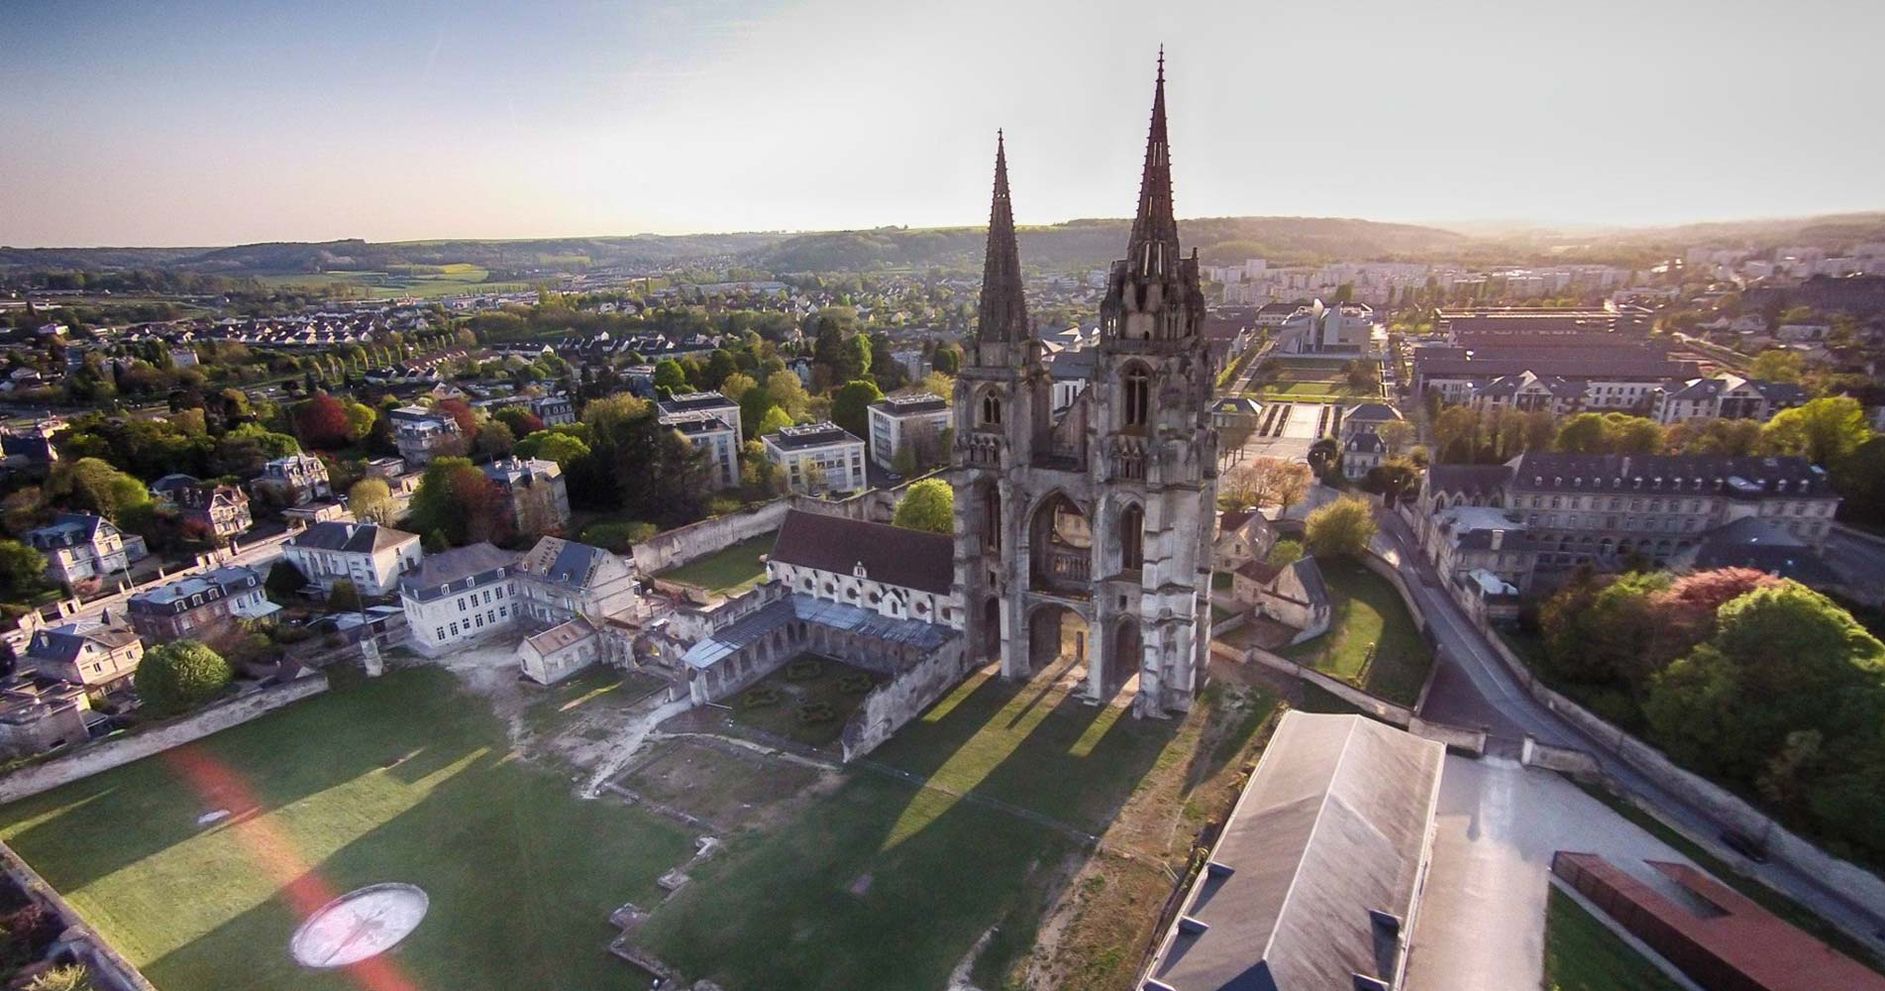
1498, 538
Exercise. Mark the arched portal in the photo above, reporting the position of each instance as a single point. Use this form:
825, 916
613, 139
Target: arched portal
1056, 641
1060, 548
1122, 666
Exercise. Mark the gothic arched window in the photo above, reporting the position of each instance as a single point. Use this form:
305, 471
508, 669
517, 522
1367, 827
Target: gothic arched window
1137, 384
991, 410
1132, 539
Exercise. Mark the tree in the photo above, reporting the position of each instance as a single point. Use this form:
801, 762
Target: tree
788, 393
93, 485
1824, 431
736, 385
180, 675
360, 420
669, 376
1860, 478
1394, 435
1707, 435
927, 505
774, 421
1341, 528
563, 448
322, 422
521, 421
22, 570
1284, 553
457, 500
371, 501
849, 406
344, 597
284, 581
1456, 434
1778, 365
495, 440
1266, 482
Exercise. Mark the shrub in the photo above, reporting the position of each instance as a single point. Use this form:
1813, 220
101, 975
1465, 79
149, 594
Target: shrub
181, 675
804, 669
759, 698
856, 683
812, 713
71, 977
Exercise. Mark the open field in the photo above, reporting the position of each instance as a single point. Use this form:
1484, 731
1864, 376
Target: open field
728, 572
1582, 954
889, 883
406, 778
1367, 616
448, 280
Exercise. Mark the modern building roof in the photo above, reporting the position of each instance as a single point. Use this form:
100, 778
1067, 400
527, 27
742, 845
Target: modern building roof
689, 402
892, 555
1315, 878
811, 435
435, 574
911, 403
350, 538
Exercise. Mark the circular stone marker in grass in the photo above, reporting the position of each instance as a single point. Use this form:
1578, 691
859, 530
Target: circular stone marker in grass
358, 925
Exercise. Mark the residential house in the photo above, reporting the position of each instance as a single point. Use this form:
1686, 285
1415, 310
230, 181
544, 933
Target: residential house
40, 714
422, 433
80, 546
295, 480
554, 410
914, 420
1361, 453
370, 556
99, 654
538, 493
1235, 413
201, 607
818, 458
558, 580
220, 509
1242, 535
560, 651
459, 596
1727, 397
1291, 594
167, 491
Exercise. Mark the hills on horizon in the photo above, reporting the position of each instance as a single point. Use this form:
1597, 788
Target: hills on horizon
1072, 245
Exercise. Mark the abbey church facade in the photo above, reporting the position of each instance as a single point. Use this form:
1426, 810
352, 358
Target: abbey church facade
1083, 537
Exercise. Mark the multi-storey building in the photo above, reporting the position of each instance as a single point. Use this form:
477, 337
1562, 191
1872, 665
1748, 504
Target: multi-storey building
222, 510
458, 596
1727, 397
711, 422
80, 546
295, 480
200, 607
895, 572
554, 410
918, 420
559, 580
422, 434
538, 493
818, 458
1604, 510
370, 556
1343, 329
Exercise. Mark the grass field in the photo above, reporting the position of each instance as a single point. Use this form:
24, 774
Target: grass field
728, 572
1367, 613
1582, 954
521, 875
887, 885
452, 279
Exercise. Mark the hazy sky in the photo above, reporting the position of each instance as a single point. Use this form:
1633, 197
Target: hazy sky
212, 123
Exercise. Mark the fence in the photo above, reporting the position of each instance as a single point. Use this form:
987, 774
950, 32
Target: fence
103, 755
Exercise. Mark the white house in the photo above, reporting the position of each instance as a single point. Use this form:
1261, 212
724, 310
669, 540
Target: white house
370, 556
459, 596
422, 434
818, 457
297, 479
81, 546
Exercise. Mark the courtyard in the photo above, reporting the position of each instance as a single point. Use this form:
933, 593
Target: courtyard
729, 571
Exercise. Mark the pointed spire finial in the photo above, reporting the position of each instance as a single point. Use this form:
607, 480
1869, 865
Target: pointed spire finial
1154, 246
1004, 312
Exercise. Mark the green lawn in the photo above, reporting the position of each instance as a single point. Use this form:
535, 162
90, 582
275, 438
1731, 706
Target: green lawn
1582, 954
1367, 613
730, 571
455, 278
773, 703
521, 875
886, 886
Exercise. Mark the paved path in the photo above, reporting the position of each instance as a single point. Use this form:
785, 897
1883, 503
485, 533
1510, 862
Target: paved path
1482, 919
1482, 691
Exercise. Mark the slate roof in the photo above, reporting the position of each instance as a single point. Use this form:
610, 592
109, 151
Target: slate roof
1371, 413
1750, 542
1468, 479
1365, 443
1670, 474
563, 562
63, 643
66, 530
893, 555
1509, 385
436, 571
350, 538
837, 615
1316, 872
228, 580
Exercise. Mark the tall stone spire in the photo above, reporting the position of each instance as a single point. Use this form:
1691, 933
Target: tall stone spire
1154, 247
1004, 313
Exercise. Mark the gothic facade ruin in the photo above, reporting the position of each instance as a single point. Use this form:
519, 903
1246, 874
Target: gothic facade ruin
1097, 518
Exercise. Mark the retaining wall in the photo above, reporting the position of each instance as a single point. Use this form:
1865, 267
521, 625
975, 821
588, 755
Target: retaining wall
109, 970
680, 545
93, 758
889, 706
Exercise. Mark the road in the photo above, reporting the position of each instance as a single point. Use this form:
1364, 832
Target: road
1860, 560
1474, 687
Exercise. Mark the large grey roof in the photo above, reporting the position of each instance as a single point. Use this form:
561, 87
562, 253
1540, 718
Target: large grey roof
893, 555
1332, 829
439, 570
1751, 542
563, 562
837, 615
351, 538
1670, 474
